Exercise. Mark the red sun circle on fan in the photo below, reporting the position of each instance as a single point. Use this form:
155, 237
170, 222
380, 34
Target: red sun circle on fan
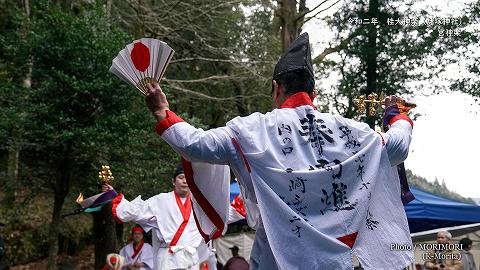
113, 260
140, 56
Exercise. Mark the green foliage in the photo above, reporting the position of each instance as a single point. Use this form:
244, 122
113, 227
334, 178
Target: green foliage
469, 82
27, 231
404, 53
223, 58
27, 224
75, 117
13, 53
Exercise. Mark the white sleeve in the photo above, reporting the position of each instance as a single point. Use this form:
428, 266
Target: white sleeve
206, 155
194, 144
138, 211
123, 253
397, 141
147, 256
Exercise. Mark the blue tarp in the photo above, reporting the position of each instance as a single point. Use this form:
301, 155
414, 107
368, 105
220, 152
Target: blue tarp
427, 211
234, 190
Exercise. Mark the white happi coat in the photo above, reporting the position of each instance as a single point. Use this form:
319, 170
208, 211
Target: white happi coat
162, 215
145, 255
317, 187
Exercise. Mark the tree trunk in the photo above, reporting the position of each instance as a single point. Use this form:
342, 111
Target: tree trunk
109, 8
62, 185
105, 235
12, 173
288, 22
14, 150
26, 6
239, 102
10, 185
27, 81
302, 7
53, 234
119, 230
371, 56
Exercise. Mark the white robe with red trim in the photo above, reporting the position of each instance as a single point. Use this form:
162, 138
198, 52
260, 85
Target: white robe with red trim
145, 255
162, 215
317, 187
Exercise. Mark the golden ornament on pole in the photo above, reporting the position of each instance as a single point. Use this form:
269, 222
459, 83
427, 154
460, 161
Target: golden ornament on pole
106, 175
375, 103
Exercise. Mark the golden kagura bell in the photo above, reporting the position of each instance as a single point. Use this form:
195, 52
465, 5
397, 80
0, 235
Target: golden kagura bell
105, 175
374, 103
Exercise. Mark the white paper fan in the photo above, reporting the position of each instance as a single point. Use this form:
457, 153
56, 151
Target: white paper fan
142, 61
115, 261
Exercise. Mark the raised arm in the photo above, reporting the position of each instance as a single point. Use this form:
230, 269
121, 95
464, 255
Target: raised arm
399, 131
193, 144
138, 210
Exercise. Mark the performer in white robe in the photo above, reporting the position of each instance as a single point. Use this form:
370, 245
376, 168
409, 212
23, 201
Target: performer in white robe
176, 241
317, 187
137, 254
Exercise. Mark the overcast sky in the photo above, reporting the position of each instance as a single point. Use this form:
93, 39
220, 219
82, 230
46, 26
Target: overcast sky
445, 144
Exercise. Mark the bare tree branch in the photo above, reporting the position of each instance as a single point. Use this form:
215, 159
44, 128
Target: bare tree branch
302, 14
343, 44
218, 60
214, 77
202, 48
205, 96
309, 18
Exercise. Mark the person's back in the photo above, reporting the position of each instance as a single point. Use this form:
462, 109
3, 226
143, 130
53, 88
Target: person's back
316, 186
316, 177
319, 172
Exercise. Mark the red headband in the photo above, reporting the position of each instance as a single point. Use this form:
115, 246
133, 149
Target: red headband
137, 229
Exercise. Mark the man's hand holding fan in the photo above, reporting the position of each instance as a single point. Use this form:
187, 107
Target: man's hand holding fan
157, 101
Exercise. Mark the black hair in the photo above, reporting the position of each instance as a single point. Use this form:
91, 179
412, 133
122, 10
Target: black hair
296, 81
178, 170
465, 242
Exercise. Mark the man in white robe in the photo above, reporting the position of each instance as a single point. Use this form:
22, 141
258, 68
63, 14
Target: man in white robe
317, 187
176, 241
138, 254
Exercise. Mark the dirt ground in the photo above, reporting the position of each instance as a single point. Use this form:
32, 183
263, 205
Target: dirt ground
84, 261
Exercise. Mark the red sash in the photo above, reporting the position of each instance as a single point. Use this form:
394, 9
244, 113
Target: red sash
186, 210
137, 250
